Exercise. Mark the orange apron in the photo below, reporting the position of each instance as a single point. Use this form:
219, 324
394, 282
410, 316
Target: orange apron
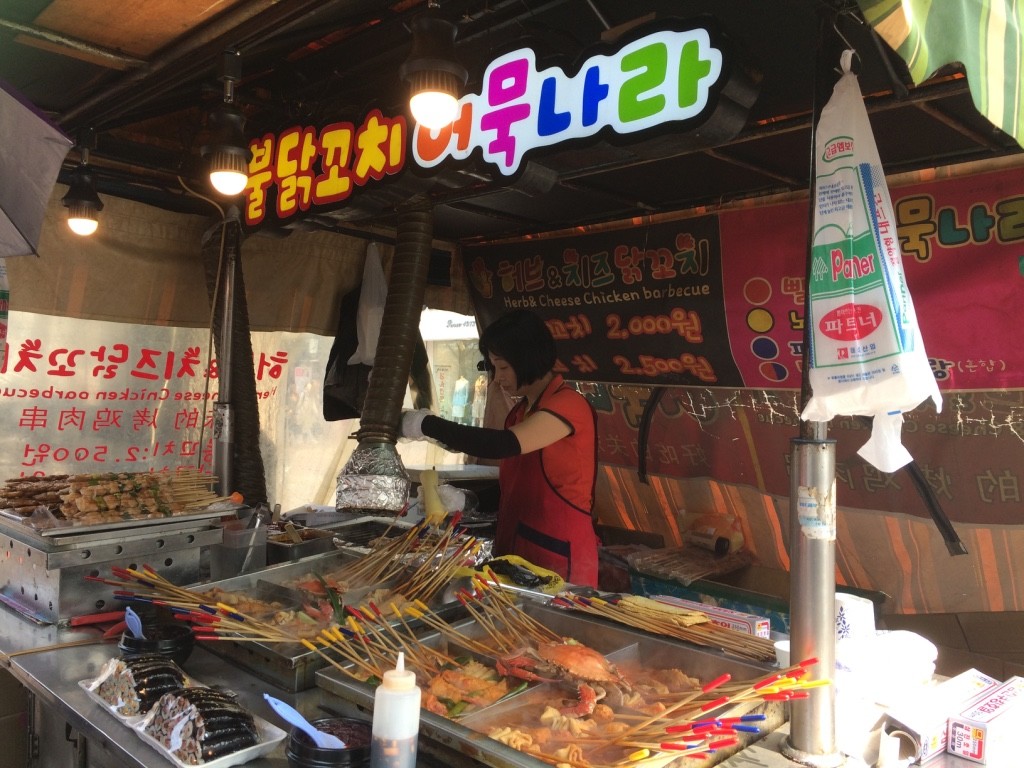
544, 514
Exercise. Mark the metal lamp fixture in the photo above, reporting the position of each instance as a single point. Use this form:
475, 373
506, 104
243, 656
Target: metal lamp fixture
81, 199
434, 75
227, 151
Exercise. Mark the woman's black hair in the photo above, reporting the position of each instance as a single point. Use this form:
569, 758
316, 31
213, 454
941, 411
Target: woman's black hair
523, 340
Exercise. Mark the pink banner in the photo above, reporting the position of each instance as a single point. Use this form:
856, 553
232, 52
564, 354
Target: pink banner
962, 244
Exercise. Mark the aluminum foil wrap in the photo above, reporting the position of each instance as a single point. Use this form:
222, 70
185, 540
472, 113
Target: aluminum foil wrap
373, 478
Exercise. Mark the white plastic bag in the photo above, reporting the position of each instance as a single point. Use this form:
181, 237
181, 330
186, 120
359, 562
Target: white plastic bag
372, 296
867, 357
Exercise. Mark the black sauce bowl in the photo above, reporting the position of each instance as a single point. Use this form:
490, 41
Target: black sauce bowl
356, 733
175, 641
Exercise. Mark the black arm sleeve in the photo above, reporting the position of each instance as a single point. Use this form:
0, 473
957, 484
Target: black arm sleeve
476, 441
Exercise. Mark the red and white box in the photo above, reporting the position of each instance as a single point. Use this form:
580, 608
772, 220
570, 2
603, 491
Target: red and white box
747, 623
988, 730
923, 714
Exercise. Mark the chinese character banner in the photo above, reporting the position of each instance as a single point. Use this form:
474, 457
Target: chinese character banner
719, 300
89, 396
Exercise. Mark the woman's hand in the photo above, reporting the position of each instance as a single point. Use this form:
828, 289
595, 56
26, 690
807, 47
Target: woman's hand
411, 425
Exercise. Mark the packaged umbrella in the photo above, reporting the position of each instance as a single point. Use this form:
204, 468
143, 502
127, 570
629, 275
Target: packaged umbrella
866, 354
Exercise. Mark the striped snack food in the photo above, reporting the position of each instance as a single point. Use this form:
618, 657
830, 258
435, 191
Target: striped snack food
197, 725
133, 685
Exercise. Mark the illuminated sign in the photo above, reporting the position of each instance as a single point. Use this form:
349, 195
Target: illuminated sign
308, 167
666, 76
662, 77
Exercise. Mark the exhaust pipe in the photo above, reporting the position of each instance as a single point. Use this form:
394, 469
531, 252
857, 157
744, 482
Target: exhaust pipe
374, 477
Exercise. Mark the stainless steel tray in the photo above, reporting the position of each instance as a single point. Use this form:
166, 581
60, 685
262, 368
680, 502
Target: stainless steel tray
610, 639
360, 532
15, 521
290, 666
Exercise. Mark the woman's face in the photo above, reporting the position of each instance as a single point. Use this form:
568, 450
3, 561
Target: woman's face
504, 376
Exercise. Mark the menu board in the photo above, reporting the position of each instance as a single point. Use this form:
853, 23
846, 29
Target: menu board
633, 306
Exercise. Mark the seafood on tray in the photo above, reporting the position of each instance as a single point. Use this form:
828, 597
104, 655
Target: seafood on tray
589, 733
317, 583
569, 661
301, 620
460, 689
594, 678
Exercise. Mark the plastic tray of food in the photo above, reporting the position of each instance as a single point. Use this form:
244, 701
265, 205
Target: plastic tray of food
110, 691
54, 504
497, 735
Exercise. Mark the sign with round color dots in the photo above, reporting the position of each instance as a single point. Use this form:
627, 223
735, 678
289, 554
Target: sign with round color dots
760, 320
772, 371
757, 291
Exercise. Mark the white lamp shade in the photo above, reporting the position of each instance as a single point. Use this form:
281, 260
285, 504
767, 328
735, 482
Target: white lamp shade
82, 226
433, 109
229, 183
82, 218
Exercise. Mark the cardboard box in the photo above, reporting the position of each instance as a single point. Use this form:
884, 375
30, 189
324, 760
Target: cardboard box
988, 729
763, 592
749, 624
924, 716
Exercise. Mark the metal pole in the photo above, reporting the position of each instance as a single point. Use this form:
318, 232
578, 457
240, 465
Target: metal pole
812, 596
223, 429
812, 512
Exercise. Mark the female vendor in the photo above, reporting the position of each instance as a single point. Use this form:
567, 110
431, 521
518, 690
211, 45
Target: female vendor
548, 451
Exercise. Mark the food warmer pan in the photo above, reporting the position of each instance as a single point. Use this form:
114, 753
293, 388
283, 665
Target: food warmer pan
291, 666
618, 643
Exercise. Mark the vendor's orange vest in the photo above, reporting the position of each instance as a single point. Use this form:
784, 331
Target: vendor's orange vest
547, 496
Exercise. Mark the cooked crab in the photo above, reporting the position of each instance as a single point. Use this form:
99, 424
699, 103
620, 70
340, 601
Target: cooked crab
568, 661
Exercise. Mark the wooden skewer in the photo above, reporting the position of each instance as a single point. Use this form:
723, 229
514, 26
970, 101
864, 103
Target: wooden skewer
55, 646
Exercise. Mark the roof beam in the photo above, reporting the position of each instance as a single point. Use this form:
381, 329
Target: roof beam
72, 46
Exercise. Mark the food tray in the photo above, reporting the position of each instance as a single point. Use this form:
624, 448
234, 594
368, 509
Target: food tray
91, 684
315, 541
269, 735
290, 666
612, 640
360, 532
107, 500
64, 528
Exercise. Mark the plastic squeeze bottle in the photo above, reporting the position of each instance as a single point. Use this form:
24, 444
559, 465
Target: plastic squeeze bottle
396, 719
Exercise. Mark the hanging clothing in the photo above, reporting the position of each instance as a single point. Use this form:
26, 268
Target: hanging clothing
479, 404
459, 398
547, 496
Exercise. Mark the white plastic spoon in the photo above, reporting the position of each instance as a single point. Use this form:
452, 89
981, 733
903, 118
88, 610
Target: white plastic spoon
131, 618
291, 715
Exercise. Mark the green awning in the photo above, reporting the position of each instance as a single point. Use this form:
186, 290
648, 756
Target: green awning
984, 35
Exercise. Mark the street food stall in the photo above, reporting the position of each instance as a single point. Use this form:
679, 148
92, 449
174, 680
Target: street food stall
637, 178
262, 623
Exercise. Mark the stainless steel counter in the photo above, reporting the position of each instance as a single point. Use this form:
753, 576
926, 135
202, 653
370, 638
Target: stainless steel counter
52, 677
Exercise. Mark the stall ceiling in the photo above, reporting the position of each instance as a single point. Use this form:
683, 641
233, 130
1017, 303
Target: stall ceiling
143, 76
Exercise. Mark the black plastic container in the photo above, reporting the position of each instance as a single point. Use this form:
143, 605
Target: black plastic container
175, 641
303, 753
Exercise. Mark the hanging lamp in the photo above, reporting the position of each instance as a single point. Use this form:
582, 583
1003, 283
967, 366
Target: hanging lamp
227, 151
81, 200
434, 75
